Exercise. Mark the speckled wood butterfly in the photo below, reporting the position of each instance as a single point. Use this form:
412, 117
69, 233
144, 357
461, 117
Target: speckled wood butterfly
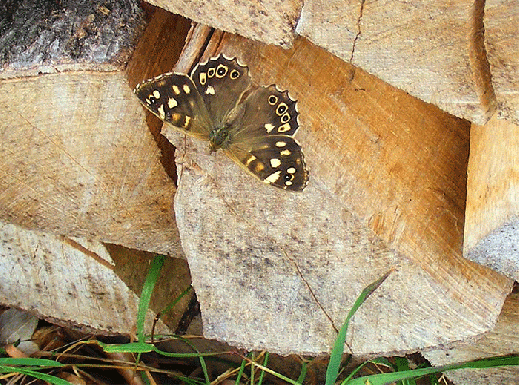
253, 126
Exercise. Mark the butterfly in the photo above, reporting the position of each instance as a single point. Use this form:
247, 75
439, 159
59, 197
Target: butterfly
254, 126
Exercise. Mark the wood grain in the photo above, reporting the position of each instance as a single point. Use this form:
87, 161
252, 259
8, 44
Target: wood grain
492, 216
77, 283
501, 341
77, 158
459, 55
269, 21
387, 191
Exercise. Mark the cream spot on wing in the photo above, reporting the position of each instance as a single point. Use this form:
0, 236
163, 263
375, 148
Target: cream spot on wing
251, 158
172, 103
272, 178
156, 94
203, 78
291, 170
285, 152
275, 163
188, 119
176, 90
269, 127
160, 110
186, 89
210, 90
281, 144
284, 128
258, 167
288, 183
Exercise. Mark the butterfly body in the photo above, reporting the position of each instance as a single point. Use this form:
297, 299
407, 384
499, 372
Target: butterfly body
253, 126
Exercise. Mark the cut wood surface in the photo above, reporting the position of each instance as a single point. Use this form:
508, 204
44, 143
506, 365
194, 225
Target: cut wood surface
269, 21
76, 156
502, 45
462, 56
492, 215
435, 50
83, 284
279, 270
503, 340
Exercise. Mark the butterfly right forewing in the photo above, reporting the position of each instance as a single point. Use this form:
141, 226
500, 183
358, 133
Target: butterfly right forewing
174, 99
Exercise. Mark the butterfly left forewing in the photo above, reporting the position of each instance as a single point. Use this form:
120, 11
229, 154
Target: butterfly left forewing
174, 99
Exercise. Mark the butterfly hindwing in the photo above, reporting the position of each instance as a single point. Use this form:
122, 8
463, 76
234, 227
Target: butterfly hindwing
276, 160
262, 138
221, 82
174, 99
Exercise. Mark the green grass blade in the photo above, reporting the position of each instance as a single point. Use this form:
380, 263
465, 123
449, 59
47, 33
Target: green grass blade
274, 373
387, 378
30, 362
401, 365
240, 372
262, 374
302, 375
176, 300
132, 347
32, 373
332, 371
147, 289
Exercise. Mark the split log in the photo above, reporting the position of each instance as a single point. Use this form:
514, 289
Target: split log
76, 157
83, 284
279, 270
501, 341
461, 56
492, 215
269, 21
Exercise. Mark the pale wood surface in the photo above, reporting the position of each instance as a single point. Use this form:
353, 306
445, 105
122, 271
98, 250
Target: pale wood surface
420, 47
76, 158
502, 44
78, 283
462, 56
279, 270
76, 155
501, 341
269, 21
492, 215
434, 50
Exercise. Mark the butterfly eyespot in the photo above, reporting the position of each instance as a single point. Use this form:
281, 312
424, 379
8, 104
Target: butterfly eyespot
221, 71
281, 109
151, 100
285, 118
273, 99
211, 72
235, 74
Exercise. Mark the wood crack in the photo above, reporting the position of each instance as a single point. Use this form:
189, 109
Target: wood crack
359, 32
